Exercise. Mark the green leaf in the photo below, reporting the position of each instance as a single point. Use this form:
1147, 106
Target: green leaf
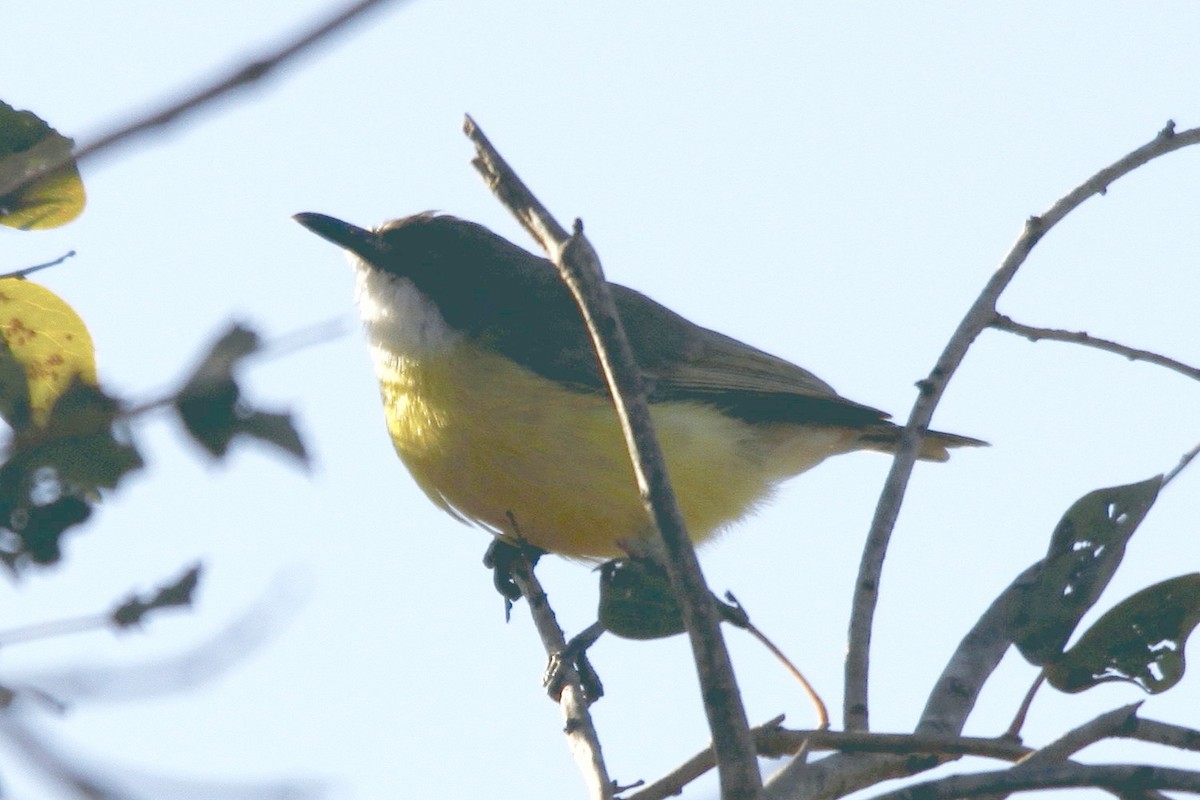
84, 441
207, 403
277, 429
1141, 640
636, 601
27, 144
178, 593
1085, 551
41, 534
211, 408
55, 471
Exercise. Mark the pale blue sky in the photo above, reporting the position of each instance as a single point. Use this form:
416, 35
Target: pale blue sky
831, 183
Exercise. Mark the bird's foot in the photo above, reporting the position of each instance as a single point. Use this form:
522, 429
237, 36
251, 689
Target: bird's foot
502, 557
574, 656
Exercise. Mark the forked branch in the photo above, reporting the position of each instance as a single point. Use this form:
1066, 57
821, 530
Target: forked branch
981, 314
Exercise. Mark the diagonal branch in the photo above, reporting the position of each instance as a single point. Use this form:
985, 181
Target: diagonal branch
974, 660
774, 741
1003, 323
578, 726
580, 270
1164, 733
1121, 778
1108, 724
248, 73
981, 314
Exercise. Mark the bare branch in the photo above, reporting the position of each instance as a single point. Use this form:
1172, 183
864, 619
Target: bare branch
53, 629
580, 269
773, 741
1148, 730
578, 726
40, 756
512, 192
248, 73
1111, 723
1004, 323
780, 741
978, 317
974, 660
1123, 778
672, 784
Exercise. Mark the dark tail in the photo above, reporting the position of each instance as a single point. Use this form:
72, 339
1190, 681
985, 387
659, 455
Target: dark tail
934, 447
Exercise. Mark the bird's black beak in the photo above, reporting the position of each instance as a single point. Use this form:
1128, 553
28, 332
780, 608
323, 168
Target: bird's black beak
363, 243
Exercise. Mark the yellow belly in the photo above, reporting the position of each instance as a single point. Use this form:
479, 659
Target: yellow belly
498, 445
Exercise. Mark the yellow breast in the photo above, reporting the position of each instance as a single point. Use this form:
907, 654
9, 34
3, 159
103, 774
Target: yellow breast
496, 444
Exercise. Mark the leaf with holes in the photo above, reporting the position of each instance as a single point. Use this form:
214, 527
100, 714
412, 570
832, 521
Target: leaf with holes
27, 145
14, 389
1085, 551
1141, 640
86, 441
48, 340
55, 471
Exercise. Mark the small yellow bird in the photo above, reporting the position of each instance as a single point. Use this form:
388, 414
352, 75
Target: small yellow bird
495, 401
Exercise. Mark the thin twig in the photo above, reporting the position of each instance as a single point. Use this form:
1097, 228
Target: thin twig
1118, 777
27, 271
978, 317
271, 349
579, 266
247, 73
1184, 460
128, 612
1003, 323
813, 696
1107, 725
1014, 727
60, 627
301, 339
579, 728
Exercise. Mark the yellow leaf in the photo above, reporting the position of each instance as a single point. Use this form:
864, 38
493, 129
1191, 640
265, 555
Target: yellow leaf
47, 339
28, 144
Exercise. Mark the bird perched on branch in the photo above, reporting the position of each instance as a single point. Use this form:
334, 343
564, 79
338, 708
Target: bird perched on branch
496, 403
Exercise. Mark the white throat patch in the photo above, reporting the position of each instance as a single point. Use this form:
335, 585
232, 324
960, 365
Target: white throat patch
399, 319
